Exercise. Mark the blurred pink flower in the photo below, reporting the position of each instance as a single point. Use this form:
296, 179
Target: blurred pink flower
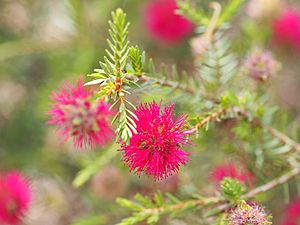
292, 213
75, 115
286, 29
229, 170
156, 148
260, 65
15, 196
164, 24
248, 213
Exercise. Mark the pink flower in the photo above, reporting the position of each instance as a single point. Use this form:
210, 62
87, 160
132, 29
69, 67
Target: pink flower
260, 66
156, 148
249, 213
229, 170
15, 196
75, 115
286, 29
164, 24
292, 213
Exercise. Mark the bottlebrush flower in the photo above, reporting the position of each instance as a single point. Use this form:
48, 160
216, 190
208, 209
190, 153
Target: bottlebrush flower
229, 170
15, 196
260, 65
156, 148
286, 29
75, 115
292, 213
248, 213
164, 24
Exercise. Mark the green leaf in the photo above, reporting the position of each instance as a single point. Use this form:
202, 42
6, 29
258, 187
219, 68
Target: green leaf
230, 10
153, 219
159, 199
136, 60
195, 14
93, 82
129, 204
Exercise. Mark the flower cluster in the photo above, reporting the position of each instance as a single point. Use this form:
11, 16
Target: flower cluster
248, 213
229, 170
292, 213
164, 24
260, 65
156, 148
286, 29
15, 196
75, 115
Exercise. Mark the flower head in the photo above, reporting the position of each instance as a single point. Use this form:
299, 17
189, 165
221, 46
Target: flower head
15, 196
75, 115
156, 148
248, 213
286, 29
229, 170
260, 65
292, 213
164, 24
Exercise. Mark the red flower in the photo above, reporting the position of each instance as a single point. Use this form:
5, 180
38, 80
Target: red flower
75, 115
156, 148
164, 24
292, 213
15, 196
286, 29
229, 170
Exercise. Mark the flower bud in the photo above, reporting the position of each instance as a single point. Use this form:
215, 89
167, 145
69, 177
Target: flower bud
248, 213
260, 65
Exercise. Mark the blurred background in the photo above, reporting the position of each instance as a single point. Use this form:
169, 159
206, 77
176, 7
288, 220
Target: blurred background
43, 43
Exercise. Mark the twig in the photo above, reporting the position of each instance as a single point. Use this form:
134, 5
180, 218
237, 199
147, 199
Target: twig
182, 205
273, 184
265, 187
220, 203
283, 138
217, 116
214, 117
214, 20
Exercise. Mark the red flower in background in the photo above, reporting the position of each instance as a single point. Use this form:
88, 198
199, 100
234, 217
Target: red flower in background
164, 24
286, 29
15, 196
76, 116
156, 148
292, 213
229, 170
